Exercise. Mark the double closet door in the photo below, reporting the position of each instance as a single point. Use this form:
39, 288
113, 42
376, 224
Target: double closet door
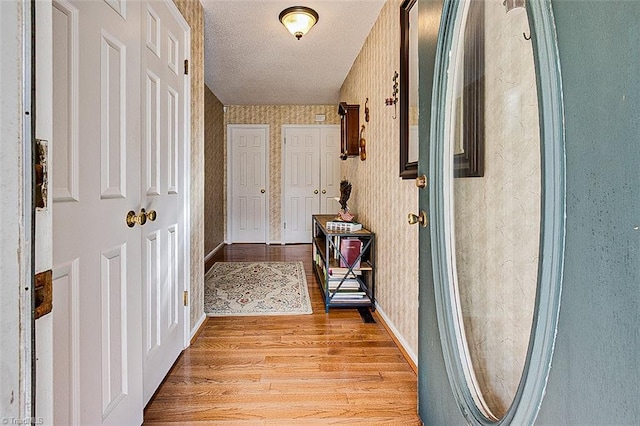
120, 143
311, 178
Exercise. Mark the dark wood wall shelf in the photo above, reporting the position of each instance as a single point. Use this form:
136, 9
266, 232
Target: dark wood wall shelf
349, 130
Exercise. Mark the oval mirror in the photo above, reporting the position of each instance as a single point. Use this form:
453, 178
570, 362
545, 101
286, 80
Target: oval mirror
499, 255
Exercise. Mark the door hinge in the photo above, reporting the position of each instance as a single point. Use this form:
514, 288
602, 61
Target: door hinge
186, 67
185, 298
285, 225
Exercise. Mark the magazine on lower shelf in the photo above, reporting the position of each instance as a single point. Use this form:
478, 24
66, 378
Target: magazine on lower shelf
350, 295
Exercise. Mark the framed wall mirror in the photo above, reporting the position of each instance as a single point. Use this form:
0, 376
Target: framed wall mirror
409, 89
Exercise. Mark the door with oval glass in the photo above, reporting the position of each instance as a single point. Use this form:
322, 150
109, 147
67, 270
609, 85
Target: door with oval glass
493, 250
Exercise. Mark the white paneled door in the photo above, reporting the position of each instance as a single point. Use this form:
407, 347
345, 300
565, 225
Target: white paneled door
165, 44
118, 146
247, 183
96, 177
329, 169
301, 182
311, 177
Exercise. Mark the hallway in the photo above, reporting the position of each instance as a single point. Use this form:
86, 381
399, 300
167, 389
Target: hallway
311, 369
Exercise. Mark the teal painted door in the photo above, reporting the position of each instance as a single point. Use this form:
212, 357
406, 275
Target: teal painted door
595, 372
595, 375
435, 398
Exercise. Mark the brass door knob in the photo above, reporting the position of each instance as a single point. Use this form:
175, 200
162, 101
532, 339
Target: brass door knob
420, 218
324, 191
140, 218
421, 181
262, 191
133, 218
315, 192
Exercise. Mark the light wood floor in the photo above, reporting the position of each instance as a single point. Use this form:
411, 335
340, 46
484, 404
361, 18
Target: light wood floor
284, 370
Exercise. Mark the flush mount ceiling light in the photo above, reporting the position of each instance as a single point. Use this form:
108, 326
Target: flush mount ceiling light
298, 20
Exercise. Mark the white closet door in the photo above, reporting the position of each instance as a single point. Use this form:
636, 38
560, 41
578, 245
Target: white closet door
311, 177
102, 143
329, 169
247, 165
96, 170
165, 116
301, 182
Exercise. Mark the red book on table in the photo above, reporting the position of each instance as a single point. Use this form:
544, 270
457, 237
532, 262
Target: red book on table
350, 249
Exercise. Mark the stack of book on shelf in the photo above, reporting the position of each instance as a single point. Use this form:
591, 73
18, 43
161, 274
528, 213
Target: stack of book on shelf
339, 273
345, 285
340, 226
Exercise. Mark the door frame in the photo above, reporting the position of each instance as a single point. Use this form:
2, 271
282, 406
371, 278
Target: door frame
229, 167
17, 265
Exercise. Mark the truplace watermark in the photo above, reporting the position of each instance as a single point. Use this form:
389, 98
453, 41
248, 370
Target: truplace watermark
20, 421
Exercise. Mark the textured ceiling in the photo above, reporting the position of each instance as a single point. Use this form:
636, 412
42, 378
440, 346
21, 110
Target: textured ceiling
251, 59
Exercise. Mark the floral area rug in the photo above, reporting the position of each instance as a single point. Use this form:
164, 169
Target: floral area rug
256, 288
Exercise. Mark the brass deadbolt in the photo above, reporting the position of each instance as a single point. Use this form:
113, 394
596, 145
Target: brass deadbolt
420, 218
421, 181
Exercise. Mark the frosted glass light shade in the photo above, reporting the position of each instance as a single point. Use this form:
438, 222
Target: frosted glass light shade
298, 20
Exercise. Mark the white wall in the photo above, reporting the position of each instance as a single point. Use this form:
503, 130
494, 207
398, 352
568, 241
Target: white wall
380, 199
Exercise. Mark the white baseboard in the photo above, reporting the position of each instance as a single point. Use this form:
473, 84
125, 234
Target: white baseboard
212, 252
397, 335
196, 328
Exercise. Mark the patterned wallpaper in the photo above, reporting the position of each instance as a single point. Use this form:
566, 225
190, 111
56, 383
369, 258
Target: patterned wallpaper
498, 216
276, 116
380, 199
194, 15
213, 171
